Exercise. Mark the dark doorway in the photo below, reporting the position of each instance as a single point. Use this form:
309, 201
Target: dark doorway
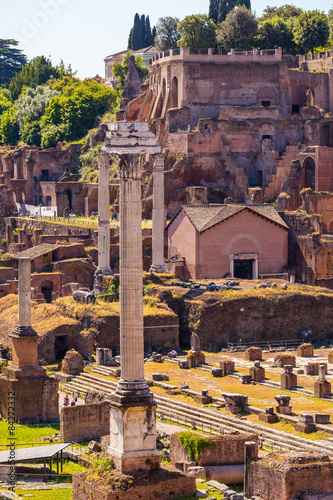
67, 199
270, 137
45, 175
47, 288
295, 109
60, 346
326, 135
310, 173
243, 269
266, 104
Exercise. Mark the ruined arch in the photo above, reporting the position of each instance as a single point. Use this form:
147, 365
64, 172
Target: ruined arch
325, 263
68, 199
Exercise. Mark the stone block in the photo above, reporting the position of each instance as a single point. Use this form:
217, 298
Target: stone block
305, 351
268, 417
183, 363
217, 372
235, 403
227, 366
245, 379
322, 418
330, 357
312, 368
253, 354
72, 363
306, 428
288, 381
282, 400
285, 410
257, 373
204, 400
197, 471
321, 389
284, 359
195, 358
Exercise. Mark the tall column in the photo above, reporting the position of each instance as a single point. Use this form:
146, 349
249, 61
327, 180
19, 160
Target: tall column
103, 214
158, 264
133, 411
24, 338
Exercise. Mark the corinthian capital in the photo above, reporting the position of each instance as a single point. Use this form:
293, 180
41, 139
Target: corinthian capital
130, 166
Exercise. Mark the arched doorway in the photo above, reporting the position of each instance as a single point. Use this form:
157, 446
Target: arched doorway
68, 199
47, 288
174, 92
309, 173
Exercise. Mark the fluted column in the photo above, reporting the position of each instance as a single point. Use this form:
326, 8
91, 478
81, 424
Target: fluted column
158, 264
103, 214
132, 382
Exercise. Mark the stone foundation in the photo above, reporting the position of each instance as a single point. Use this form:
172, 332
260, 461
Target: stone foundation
164, 485
305, 350
35, 398
312, 368
227, 366
253, 354
268, 418
284, 359
257, 373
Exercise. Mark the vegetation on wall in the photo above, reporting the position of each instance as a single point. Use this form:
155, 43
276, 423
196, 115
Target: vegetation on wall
194, 444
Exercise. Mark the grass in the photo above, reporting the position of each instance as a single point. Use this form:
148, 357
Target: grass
56, 494
27, 433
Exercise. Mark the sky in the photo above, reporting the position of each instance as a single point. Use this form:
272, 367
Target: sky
84, 32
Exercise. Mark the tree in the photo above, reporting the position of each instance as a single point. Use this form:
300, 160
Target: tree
5, 101
330, 23
36, 72
120, 70
197, 31
219, 9
149, 40
136, 41
32, 103
311, 30
284, 12
275, 32
9, 130
167, 33
238, 30
11, 60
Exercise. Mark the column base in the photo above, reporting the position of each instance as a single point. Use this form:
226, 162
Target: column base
133, 436
99, 286
132, 393
158, 268
24, 372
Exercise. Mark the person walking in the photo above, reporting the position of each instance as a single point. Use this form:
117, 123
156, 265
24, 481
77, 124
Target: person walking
66, 400
74, 399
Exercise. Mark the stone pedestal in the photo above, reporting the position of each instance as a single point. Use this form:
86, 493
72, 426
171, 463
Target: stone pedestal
133, 437
285, 410
257, 373
158, 265
269, 418
322, 388
227, 366
288, 381
305, 350
195, 358
235, 403
283, 404
313, 368
253, 354
305, 424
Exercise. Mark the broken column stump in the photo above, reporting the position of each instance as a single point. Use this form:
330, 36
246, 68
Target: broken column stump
227, 366
322, 387
257, 372
288, 378
305, 423
235, 403
269, 416
283, 404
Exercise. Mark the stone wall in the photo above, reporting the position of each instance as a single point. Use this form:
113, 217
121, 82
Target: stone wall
84, 422
274, 478
223, 450
166, 487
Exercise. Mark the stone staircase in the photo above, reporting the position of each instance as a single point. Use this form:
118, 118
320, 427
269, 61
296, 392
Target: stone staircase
85, 382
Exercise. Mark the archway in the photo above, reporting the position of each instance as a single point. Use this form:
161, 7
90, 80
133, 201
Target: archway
309, 173
174, 92
47, 288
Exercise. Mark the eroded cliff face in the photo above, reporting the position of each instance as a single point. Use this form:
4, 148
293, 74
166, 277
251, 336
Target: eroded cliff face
249, 315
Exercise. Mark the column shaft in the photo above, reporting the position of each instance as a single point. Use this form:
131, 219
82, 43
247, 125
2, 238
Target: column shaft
24, 292
158, 215
103, 214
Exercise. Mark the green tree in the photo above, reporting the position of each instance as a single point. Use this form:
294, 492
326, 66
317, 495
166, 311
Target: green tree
197, 31
31, 133
311, 30
219, 9
9, 129
37, 72
120, 70
136, 38
167, 33
238, 30
284, 12
32, 103
275, 32
11, 60
149, 40
5, 101
330, 23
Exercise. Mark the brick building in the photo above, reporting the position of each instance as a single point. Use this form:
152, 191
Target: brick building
236, 240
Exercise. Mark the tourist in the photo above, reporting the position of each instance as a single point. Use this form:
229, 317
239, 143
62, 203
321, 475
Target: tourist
66, 400
74, 399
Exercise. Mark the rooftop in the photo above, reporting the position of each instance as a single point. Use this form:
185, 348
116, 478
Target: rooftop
37, 251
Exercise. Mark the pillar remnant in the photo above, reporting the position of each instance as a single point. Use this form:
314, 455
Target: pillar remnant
103, 221
288, 378
158, 265
249, 455
35, 393
322, 387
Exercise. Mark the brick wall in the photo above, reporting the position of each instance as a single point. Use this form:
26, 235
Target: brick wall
84, 422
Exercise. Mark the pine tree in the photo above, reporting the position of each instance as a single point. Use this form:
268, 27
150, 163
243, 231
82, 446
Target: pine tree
129, 44
218, 9
11, 60
143, 30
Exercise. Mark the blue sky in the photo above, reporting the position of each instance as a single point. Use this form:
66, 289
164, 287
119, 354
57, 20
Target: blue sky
83, 32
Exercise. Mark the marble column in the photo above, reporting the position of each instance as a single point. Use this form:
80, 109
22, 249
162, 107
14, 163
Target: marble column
158, 264
103, 214
133, 411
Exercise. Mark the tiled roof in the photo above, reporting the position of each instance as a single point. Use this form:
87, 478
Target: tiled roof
38, 251
205, 216
151, 48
